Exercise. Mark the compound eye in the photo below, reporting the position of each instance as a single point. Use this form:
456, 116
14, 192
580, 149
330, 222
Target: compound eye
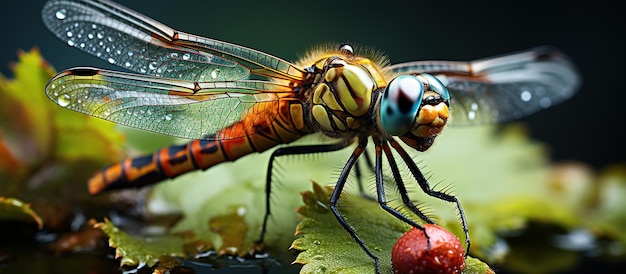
400, 104
436, 86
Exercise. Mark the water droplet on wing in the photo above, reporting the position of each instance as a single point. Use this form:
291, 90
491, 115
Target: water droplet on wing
61, 14
64, 100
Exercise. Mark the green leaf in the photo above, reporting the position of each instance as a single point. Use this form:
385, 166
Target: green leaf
39, 137
137, 250
15, 210
327, 247
25, 120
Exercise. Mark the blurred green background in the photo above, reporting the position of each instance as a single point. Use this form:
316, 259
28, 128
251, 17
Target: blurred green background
589, 127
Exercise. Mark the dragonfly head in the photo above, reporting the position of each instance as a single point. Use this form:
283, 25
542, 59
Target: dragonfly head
415, 108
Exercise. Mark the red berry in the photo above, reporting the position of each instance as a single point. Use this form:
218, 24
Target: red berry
446, 254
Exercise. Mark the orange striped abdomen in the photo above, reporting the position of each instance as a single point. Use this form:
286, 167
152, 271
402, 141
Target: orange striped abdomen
261, 133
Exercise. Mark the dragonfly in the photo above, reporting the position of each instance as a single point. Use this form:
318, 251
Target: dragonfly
232, 100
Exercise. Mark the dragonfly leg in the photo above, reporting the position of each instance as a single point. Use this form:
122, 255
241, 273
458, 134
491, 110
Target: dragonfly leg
425, 186
360, 176
283, 151
334, 199
400, 185
381, 147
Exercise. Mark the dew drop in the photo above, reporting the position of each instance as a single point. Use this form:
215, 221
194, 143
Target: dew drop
64, 100
100, 35
70, 43
111, 60
127, 64
318, 257
69, 34
90, 36
107, 113
168, 117
526, 96
94, 26
152, 66
186, 56
215, 73
317, 242
61, 14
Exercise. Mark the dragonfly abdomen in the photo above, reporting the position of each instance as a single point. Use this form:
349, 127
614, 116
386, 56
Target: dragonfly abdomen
229, 144
167, 162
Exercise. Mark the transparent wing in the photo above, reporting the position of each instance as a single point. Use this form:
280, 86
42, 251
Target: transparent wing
136, 42
502, 88
174, 107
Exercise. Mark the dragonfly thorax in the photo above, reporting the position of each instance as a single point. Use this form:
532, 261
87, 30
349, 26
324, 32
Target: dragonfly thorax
341, 100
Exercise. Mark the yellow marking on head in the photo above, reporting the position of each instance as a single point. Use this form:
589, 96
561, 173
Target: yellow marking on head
431, 120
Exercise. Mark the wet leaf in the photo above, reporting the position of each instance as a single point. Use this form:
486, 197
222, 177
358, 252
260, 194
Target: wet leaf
327, 247
15, 210
135, 250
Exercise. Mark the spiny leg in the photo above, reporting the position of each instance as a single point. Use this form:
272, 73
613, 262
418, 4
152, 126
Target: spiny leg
401, 187
380, 187
360, 177
334, 199
423, 183
283, 151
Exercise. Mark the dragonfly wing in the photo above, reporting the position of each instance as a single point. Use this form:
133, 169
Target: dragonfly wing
169, 106
136, 42
502, 88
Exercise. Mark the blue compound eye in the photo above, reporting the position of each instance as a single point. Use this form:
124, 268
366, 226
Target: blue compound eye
400, 103
436, 86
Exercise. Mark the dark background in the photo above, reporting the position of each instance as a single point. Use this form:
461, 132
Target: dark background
589, 127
